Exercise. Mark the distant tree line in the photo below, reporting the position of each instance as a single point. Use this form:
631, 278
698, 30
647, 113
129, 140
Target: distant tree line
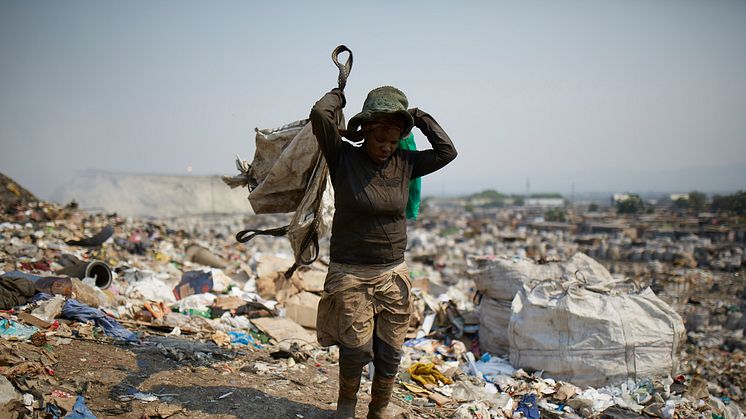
555, 214
493, 198
735, 203
632, 205
695, 202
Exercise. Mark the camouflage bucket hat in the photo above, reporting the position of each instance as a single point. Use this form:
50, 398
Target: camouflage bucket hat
386, 100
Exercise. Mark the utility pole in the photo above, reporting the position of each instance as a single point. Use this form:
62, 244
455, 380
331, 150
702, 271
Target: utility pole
572, 195
212, 195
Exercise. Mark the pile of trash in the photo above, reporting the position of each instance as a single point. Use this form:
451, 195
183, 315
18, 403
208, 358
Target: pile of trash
494, 333
68, 275
11, 193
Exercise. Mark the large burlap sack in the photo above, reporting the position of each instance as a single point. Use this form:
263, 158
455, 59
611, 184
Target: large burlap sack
314, 215
593, 338
289, 174
284, 160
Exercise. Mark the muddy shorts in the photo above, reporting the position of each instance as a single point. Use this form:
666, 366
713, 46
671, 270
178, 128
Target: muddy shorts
360, 300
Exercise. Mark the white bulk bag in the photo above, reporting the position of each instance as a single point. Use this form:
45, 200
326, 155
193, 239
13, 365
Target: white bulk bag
593, 338
494, 318
500, 280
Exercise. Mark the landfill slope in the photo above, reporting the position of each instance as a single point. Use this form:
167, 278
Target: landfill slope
12, 193
142, 195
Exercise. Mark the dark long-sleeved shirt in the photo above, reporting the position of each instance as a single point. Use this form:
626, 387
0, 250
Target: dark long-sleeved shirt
370, 199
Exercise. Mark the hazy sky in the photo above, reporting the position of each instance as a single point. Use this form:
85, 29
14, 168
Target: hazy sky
597, 93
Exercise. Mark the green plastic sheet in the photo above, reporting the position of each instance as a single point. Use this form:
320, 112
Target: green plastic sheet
415, 185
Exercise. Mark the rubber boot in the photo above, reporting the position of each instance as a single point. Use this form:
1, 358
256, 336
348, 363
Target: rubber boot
380, 394
347, 399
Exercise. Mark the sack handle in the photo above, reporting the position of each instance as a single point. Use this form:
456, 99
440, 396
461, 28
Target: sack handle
580, 281
245, 235
344, 69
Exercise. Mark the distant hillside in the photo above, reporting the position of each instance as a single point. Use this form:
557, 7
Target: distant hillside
153, 195
723, 179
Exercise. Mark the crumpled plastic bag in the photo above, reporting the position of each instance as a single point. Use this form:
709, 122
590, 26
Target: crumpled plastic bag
528, 407
16, 331
75, 310
49, 310
243, 338
150, 289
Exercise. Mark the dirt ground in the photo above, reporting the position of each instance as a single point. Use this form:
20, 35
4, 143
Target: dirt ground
199, 380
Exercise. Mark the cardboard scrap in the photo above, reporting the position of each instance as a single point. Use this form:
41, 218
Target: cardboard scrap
310, 279
414, 388
162, 410
276, 287
565, 392
303, 308
29, 318
281, 329
268, 265
438, 398
228, 302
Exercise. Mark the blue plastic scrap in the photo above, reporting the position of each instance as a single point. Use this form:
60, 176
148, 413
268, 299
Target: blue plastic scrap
243, 338
528, 407
14, 330
414, 342
80, 410
75, 310
41, 296
193, 282
21, 275
52, 411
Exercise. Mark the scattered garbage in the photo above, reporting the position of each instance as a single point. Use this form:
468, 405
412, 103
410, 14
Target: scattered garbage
80, 410
202, 256
49, 309
490, 286
10, 399
81, 312
528, 407
199, 282
72, 288
96, 240
99, 271
16, 331
15, 291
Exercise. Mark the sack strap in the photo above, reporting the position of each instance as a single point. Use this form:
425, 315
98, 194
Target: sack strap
312, 236
245, 235
344, 69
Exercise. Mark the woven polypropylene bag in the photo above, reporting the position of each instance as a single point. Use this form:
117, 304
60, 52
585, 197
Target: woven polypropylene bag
592, 338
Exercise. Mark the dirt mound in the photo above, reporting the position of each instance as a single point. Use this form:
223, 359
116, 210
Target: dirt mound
12, 193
